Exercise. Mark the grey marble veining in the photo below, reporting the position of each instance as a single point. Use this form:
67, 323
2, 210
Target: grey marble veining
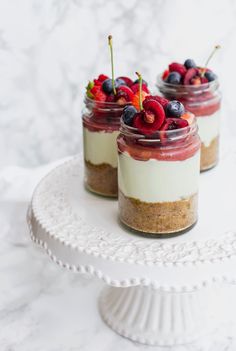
50, 49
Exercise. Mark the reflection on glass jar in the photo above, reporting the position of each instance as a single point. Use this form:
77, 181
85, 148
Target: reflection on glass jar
158, 179
101, 122
204, 101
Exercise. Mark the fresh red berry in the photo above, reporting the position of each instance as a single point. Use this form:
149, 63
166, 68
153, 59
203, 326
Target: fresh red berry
135, 88
102, 77
178, 67
97, 82
123, 94
190, 74
100, 96
95, 89
196, 81
159, 99
204, 80
150, 119
110, 98
174, 123
165, 74
127, 80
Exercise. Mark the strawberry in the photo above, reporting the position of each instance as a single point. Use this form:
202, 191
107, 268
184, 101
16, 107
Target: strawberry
100, 96
177, 67
102, 77
135, 100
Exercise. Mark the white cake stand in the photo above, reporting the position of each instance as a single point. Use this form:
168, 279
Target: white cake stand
160, 291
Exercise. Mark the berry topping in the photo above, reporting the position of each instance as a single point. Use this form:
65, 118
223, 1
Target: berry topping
127, 80
189, 63
210, 76
174, 123
196, 80
128, 114
102, 77
177, 67
190, 74
173, 78
165, 74
135, 88
100, 96
123, 95
119, 82
150, 119
188, 116
135, 100
159, 99
174, 108
107, 86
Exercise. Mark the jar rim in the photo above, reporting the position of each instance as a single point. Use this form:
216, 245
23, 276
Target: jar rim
171, 135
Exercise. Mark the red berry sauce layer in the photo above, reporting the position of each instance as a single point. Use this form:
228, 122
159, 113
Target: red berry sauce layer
160, 129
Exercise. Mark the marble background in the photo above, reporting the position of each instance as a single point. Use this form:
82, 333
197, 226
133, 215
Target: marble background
48, 51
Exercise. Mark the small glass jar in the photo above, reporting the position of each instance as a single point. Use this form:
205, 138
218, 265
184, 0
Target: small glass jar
204, 101
158, 179
101, 123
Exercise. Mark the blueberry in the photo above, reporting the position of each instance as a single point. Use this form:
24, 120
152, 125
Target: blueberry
174, 109
210, 76
189, 63
173, 78
119, 82
137, 81
107, 86
128, 114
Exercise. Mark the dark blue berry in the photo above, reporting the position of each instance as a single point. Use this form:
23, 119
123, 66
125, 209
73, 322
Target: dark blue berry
107, 86
137, 81
210, 76
119, 82
128, 114
189, 63
174, 109
174, 78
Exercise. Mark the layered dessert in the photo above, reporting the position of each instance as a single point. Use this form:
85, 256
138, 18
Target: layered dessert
104, 103
158, 167
198, 89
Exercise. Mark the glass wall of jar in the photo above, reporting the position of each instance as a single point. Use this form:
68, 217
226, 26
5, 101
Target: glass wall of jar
158, 179
101, 123
204, 101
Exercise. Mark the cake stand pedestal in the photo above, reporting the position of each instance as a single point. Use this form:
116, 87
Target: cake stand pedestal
159, 291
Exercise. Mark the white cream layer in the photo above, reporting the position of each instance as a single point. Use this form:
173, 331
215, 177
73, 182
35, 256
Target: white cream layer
100, 147
158, 181
209, 127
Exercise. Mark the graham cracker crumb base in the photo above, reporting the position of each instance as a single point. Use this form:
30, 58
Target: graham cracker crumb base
160, 217
209, 154
101, 179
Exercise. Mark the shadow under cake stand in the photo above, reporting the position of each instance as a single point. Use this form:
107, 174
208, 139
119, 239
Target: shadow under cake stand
159, 291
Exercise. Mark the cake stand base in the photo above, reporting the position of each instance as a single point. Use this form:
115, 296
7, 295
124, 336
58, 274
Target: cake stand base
153, 317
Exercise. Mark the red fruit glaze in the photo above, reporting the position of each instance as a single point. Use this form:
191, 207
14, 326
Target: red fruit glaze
177, 67
124, 94
159, 99
191, 72
127, 80
135, 88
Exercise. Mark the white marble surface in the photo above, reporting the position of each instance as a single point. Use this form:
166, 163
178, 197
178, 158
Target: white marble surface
48, 51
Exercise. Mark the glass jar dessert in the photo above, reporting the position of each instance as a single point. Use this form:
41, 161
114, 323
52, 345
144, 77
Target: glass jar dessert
198, 89
204, 101
158, 170
101, 123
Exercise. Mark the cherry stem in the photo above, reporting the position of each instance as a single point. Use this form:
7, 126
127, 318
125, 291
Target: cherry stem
140, 80
112, 63
217, 47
